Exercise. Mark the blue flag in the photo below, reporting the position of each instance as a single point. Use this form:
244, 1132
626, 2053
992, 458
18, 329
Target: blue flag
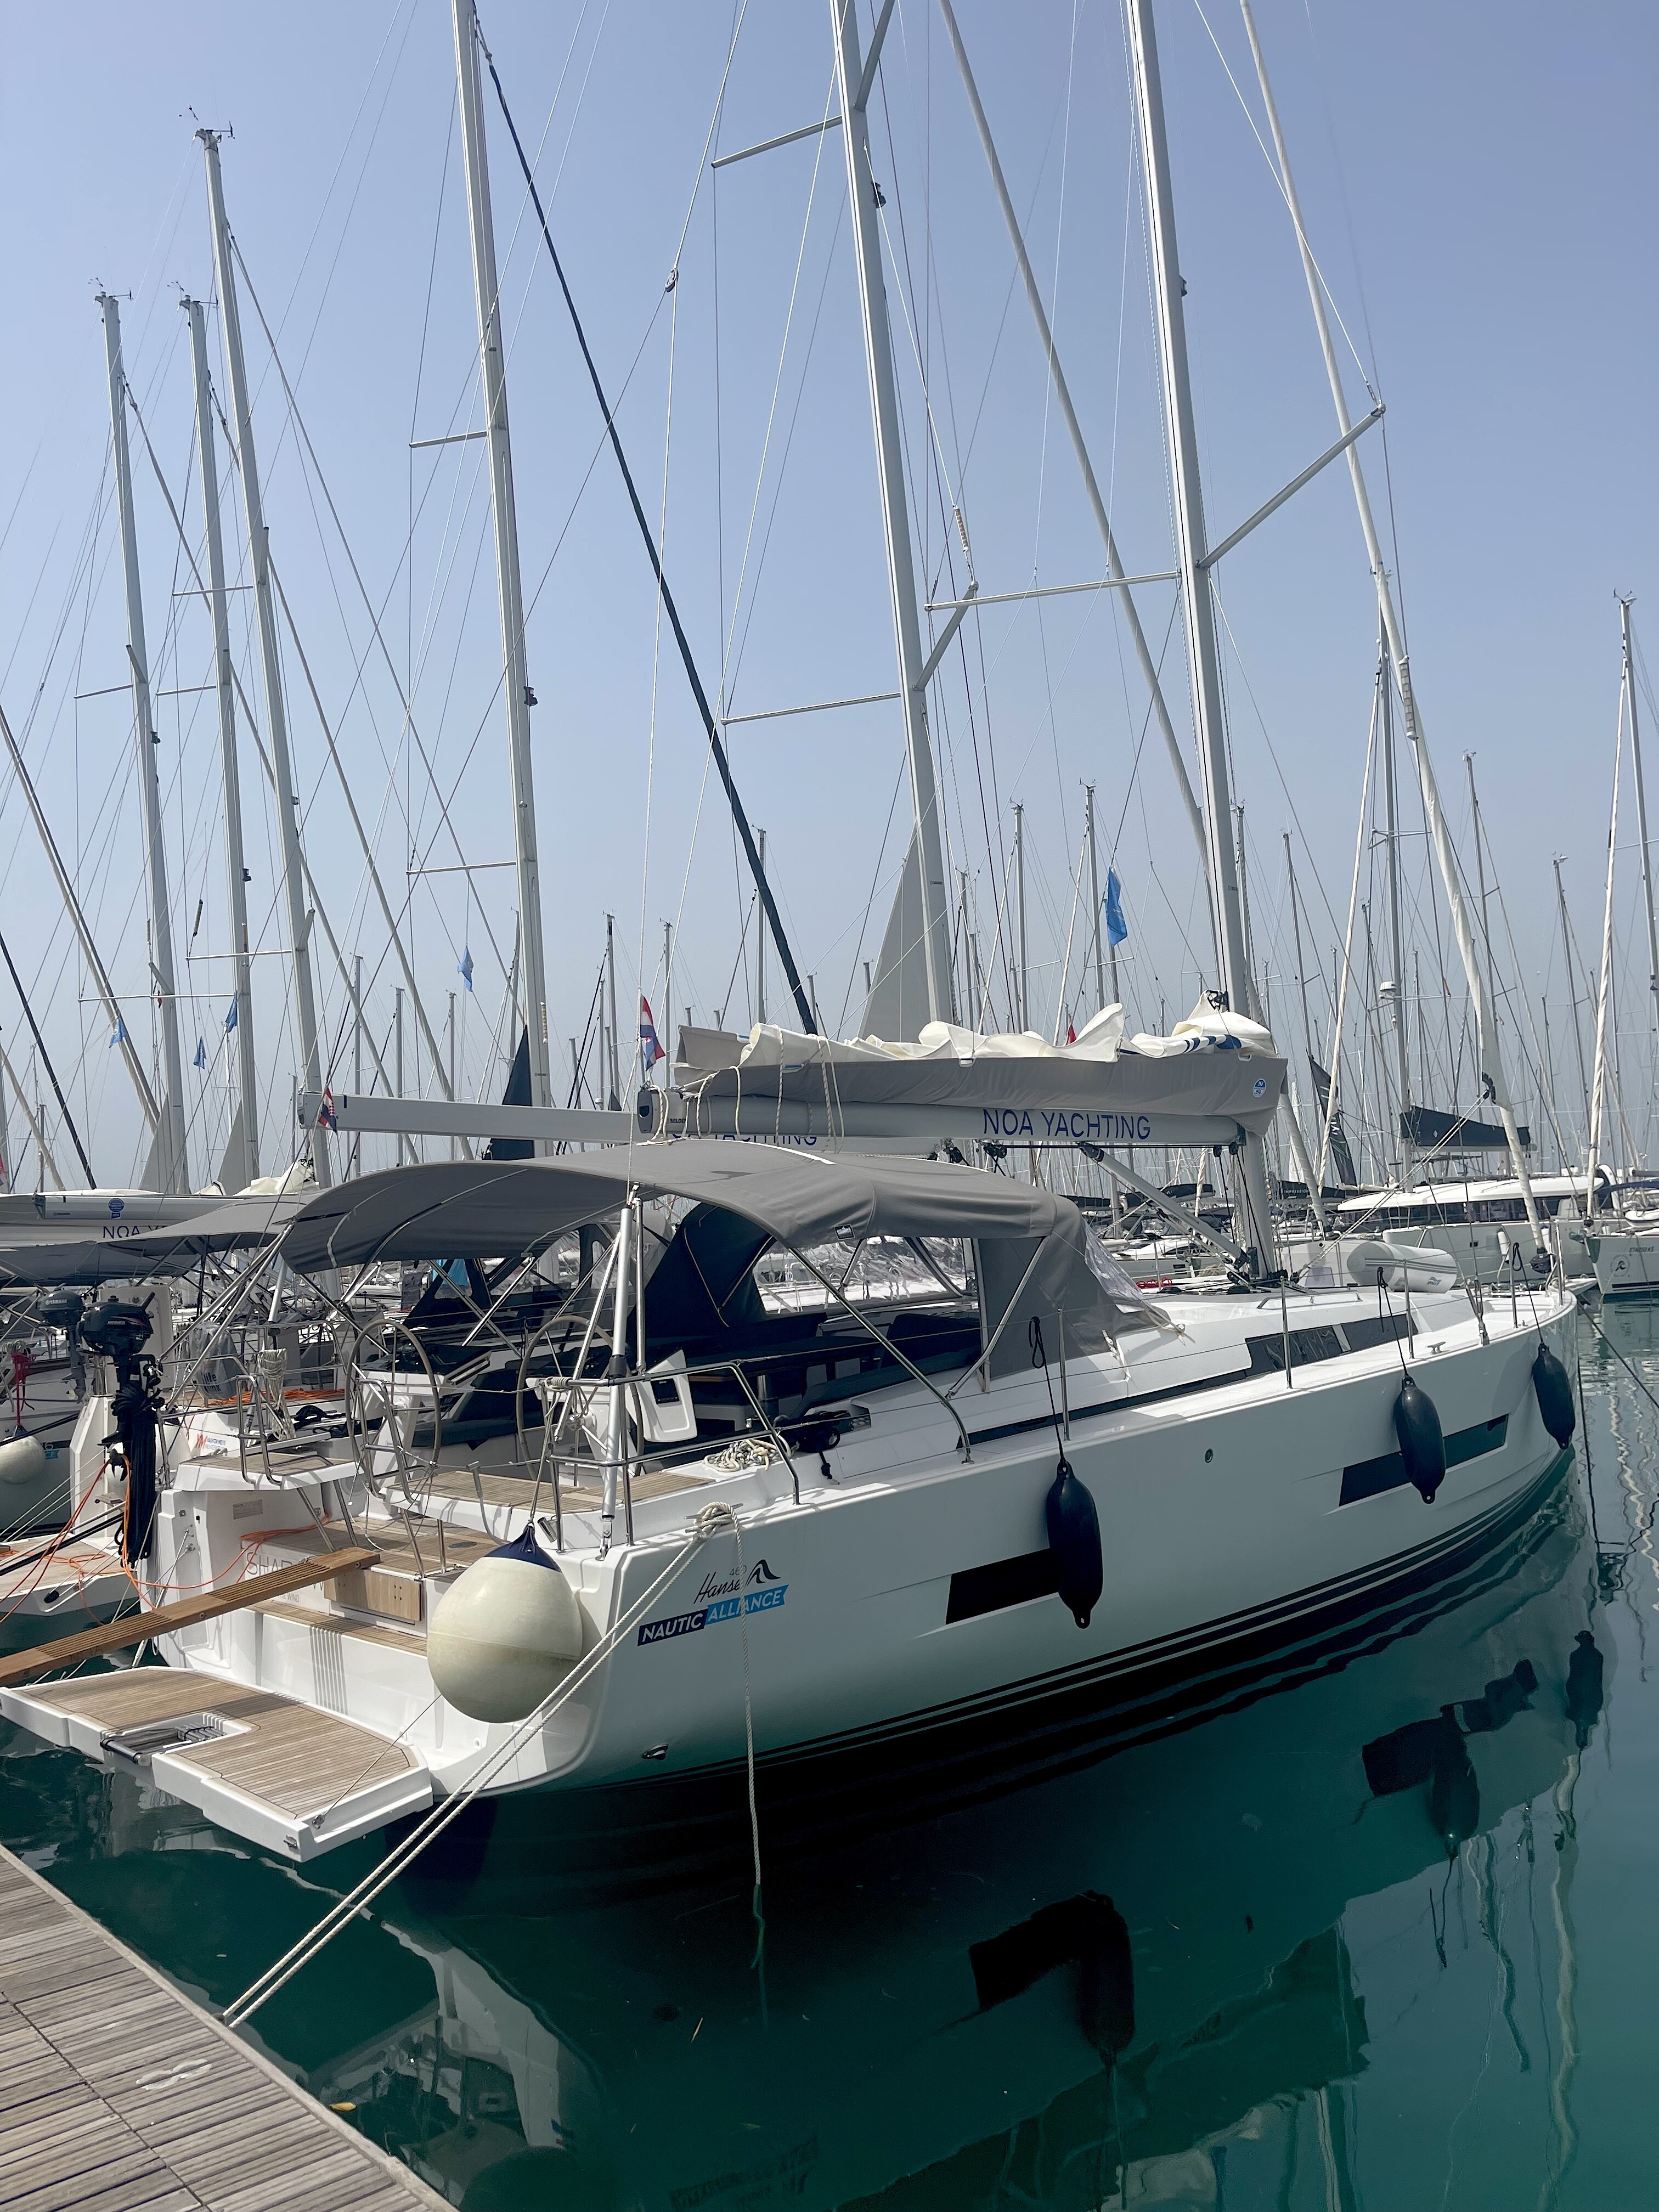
230, 1018
463, 967
120, 1037
201, 1053
1116, 928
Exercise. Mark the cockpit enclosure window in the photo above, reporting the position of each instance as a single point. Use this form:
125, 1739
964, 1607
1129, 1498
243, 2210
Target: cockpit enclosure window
870, 1271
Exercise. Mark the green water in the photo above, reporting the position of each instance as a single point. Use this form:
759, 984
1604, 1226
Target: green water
1382, 1940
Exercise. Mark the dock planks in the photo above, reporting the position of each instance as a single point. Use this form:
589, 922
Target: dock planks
118, 2095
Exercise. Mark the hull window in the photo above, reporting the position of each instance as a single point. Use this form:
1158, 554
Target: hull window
1370, 1477
977, 1590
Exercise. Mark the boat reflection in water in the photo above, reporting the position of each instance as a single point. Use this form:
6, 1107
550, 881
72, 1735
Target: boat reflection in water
1101, 1990
1087, 1991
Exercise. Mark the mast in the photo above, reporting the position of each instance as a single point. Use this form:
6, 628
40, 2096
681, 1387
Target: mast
1197, 605
1640, 800
242, 1171
1604, 993
610, 987
1022, 973
1397, 993
265, 610
1301, 972
1480, 882
1570, 965
509, 590
856, 78
1094, 901
668, 1003
168, 1158
1494, 1088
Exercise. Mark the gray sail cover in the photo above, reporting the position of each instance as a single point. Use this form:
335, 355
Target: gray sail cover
486, 1209
1116, 1100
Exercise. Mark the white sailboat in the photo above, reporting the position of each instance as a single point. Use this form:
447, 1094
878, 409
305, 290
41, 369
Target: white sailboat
847, 1547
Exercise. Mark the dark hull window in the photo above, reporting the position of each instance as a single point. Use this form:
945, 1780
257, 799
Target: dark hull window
1370, 1477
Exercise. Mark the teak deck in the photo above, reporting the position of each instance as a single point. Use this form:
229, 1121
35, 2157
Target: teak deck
118, 2095
271, 1768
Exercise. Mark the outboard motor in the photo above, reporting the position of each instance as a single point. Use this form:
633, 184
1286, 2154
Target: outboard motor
1422, 1446
1074, 1540
119, 1332
1554, 1394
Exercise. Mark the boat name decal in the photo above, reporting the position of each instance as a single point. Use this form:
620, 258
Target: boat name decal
1057, 1125
767, 1600
726, 1585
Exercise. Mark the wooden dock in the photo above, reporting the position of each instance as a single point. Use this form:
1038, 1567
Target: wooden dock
118, 2095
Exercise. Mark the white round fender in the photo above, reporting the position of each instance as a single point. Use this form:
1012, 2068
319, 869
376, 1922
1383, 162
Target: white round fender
504, 1634
22, 1459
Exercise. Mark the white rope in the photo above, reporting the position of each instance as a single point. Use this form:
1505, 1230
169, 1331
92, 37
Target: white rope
712, 1517
260, 1991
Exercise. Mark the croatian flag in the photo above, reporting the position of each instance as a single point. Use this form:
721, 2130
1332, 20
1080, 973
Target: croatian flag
1116, 928
325, 1114
650, 1051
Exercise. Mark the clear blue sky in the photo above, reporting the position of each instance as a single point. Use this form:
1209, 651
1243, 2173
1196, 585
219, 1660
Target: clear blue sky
1478, 184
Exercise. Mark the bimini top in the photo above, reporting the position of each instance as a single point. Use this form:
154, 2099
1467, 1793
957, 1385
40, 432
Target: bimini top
493, 1209
83, 1237
1034, 1248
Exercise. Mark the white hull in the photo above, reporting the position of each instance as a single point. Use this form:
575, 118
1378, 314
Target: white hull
1226, 1546
1626, 1262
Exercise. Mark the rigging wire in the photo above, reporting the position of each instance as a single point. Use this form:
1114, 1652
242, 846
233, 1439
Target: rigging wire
774, 920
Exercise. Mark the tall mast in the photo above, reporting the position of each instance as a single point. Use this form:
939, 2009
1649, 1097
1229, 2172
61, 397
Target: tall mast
242, 1171
856, 80
1301, 972
169, 1160
1603, 995
264, 614
1197, 605
1640, 800
1396, 941
610, 987
1094, 903
1570, 963
1480, 881
509, 590
1493, 1083
1022, 971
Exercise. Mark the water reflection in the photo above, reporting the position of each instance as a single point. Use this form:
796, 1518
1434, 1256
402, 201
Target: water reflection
1134, 1985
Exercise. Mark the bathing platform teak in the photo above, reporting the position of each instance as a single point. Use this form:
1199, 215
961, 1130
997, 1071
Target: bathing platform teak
118, 2095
